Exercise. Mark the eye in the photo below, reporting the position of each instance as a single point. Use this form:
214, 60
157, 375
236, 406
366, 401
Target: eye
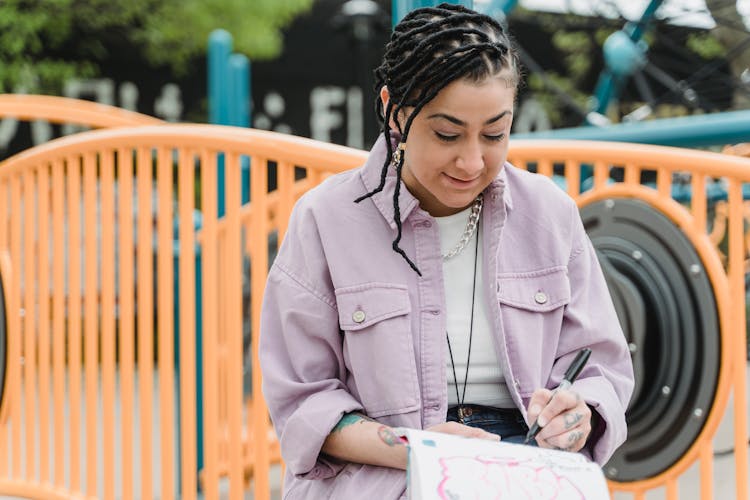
445, 137
495, 138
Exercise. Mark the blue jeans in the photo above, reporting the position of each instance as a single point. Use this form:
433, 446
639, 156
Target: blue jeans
506, 422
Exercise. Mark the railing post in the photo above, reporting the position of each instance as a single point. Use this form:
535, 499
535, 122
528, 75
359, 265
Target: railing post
3, 340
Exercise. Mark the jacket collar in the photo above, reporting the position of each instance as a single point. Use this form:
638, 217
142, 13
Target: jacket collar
383, 200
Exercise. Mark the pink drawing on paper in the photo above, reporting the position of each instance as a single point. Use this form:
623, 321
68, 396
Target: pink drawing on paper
491, 478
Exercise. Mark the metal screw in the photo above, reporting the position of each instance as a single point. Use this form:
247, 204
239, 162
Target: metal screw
666, 390
609, 204
695, 269
612, 472
698, 412
22, 312
637, 255
632, 347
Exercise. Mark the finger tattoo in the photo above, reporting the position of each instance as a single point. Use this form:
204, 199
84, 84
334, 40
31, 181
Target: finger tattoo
574, 437
571, 419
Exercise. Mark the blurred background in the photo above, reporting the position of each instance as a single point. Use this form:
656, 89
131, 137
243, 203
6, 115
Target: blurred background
311, 61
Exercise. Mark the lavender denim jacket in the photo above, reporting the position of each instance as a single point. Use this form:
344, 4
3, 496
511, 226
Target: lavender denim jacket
347, 326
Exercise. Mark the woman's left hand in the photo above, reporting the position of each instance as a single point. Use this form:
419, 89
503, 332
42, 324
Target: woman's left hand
565, 419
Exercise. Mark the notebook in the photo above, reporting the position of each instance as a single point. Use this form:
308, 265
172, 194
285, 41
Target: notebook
443, 466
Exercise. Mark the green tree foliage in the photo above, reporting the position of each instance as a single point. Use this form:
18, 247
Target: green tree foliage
37, 37
575, 48
705, 45
732, 34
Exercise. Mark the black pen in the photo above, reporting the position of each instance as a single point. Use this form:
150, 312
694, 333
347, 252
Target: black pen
570, 375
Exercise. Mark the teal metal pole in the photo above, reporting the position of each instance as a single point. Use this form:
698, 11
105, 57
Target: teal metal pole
239, 109
239, 90
612, 79
640, 27
219, 50
691, 131
497, 9
399, 8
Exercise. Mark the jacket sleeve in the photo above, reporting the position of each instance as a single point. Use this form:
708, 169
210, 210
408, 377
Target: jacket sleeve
303, 365
606, 382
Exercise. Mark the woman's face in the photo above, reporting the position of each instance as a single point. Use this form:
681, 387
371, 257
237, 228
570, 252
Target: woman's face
458, 143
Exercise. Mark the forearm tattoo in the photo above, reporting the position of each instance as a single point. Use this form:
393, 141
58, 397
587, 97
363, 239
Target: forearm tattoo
349, 419
389, 437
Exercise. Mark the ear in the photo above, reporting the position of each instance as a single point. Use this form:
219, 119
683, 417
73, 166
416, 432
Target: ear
385, 97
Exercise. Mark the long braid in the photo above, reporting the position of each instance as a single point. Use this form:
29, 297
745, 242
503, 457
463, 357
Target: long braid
397, 218
388, 156
429, 49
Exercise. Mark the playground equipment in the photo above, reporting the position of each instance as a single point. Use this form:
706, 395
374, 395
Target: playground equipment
659, 258
61, 110
72, 353
689, 132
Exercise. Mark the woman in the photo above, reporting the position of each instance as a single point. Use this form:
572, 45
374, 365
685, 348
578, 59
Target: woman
436, 287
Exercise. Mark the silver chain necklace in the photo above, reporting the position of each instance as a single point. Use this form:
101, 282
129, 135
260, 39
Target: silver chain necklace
471, 227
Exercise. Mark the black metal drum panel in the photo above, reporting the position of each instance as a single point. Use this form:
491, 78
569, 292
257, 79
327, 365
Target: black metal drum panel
666, 306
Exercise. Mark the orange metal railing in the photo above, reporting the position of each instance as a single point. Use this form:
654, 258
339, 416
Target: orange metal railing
92, 377
95, 230
728, 284
66, 110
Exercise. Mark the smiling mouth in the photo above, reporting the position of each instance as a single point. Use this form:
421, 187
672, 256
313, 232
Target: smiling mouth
456, 180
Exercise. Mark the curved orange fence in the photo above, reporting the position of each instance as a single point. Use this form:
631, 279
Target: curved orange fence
66, 110
93, 274
103, 230
728, 285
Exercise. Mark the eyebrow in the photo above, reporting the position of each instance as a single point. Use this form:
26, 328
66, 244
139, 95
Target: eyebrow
462, 123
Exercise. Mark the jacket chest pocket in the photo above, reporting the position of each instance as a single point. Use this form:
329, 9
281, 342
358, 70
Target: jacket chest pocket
378, 349
532, 306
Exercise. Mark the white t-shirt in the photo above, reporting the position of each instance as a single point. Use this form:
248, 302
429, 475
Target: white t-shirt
485, 381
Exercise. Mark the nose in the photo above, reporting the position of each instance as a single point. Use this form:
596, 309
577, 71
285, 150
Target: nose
471, 159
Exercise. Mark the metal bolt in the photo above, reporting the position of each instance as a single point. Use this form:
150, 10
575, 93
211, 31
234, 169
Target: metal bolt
612, 472
637, 255
632, 347
698, 412
609, 204
666, 390
695, 269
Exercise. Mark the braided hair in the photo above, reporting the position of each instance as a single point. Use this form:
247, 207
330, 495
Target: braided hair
429, 49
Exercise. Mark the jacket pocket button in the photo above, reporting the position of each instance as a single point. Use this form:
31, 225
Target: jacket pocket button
358, 316
540, 298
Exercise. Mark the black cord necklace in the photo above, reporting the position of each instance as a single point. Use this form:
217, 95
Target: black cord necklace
460, 400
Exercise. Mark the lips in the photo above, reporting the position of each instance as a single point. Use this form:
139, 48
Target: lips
461, 183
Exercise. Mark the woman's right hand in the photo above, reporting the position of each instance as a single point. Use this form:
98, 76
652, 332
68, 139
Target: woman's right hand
463, 430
